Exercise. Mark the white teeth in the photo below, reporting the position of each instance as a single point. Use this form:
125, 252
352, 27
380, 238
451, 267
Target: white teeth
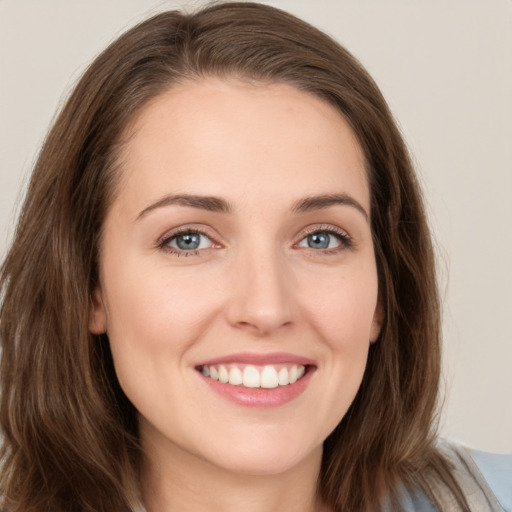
269, 377
293, 374
251, 376
223, 374
235, 376
283, 377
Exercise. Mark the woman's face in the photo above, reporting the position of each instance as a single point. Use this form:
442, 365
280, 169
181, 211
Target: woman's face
239, 248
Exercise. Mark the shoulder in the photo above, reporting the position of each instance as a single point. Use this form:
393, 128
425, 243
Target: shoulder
496, 471
485, 478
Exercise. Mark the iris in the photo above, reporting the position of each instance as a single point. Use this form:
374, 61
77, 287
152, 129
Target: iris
318, 240
188, 241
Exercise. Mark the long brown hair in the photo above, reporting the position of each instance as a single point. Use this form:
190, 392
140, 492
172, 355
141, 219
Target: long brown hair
70, 435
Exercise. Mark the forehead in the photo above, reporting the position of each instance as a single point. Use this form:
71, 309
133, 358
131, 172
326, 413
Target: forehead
231, 138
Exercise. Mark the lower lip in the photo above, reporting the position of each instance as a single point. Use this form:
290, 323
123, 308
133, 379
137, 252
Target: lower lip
260, 397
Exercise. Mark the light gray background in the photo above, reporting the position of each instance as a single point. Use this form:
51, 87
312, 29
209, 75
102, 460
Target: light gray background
446, 70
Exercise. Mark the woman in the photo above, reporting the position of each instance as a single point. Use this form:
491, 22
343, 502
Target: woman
221, 292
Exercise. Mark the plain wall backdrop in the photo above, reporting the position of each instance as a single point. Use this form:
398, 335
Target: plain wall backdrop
445, 68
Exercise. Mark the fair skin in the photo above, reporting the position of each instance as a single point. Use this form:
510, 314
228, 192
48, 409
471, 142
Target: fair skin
277, 268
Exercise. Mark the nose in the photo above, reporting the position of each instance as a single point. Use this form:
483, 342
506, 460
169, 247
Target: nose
262, 300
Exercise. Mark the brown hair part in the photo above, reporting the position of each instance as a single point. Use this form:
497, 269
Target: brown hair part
70, 435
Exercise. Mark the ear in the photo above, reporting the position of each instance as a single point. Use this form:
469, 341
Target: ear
378, 318
98, 314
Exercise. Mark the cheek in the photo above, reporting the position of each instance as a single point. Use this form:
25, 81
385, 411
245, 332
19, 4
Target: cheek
342, 306
153, 315
156, 300
342, 313
345, 330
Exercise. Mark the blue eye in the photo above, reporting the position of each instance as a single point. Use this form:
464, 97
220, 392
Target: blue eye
190, 241
321, 240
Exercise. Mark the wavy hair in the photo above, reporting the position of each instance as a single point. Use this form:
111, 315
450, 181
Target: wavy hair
70, 435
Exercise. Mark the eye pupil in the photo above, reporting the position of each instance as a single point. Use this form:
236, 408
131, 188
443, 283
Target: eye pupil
188, 241
318, 241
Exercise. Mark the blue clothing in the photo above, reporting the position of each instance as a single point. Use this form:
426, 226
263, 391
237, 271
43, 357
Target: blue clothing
497, 471
485, 479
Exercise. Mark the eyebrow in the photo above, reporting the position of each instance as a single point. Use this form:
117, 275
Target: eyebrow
208, 203
325, 201
219, 205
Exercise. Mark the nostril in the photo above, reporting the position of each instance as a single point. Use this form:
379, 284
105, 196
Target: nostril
261, 328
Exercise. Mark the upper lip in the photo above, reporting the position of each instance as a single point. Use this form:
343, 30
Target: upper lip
259, 359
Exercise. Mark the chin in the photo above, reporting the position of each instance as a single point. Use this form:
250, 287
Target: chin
264, 454
264, 464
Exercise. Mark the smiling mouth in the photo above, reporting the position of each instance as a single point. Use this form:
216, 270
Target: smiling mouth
254, 376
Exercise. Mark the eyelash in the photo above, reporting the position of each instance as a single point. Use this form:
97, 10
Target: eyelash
342, 236
163, 244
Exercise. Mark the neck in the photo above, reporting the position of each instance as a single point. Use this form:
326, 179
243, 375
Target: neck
175, 480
